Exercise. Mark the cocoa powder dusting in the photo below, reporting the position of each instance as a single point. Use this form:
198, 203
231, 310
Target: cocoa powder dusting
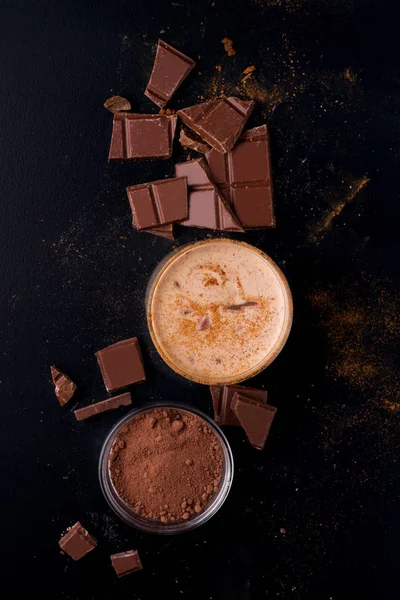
169, 465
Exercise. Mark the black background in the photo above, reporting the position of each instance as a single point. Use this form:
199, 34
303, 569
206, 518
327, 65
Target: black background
315, 515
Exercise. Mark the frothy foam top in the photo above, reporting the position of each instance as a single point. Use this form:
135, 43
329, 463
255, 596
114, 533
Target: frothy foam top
218, 311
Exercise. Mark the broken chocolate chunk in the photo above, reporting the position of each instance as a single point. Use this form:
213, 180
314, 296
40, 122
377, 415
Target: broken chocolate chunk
219, 122
77, 542
255, 418
158, 202
170, 68
141, 137
222, 399
101, 407
189, 139
125, 563
64, 386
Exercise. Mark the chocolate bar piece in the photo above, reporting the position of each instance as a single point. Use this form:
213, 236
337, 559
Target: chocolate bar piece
101, 407
125, 563
77, 542
140, 137
170, 68
64, 386
244, 178
255, 418
222, 399
165, 231
220, 122
190, 139
158, 203
121, 364
207, 207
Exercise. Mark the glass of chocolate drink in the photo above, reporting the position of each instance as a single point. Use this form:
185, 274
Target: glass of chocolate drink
219, 311
166, 468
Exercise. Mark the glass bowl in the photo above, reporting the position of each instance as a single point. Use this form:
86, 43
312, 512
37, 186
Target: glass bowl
125, 512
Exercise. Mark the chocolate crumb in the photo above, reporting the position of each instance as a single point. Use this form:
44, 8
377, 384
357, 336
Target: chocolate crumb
240, 306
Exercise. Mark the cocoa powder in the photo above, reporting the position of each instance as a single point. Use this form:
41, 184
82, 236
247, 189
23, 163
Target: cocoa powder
166, 464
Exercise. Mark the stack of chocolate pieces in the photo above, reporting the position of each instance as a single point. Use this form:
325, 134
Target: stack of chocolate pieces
237, 405
231, 190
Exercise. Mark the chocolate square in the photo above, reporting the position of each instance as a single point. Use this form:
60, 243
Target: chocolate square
243, 176
137, 137
121, 364
125, 563
77, 542
158, 202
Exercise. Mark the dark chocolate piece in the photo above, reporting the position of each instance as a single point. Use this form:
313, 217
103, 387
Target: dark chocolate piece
101, 407
125, 563
158, 202
244, 178
255, 418
64, 386
117, 104
170, 68
222, 399
140, 137
121, 364
190, 139
207, 207
77, 542
220, 122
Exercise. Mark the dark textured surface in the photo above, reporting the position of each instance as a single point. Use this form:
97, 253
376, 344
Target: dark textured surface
313, 516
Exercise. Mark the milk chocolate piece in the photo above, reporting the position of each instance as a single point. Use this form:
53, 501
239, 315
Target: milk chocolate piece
255, 418
140, 137
101, 407
207, 207
222, 399
64, 386
125, 563
165, 231
158, 203
244, 177
121, 364
220, 122
190, 139
77, 542
170, 68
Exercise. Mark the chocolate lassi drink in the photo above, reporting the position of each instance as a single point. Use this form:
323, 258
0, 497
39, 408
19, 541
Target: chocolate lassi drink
219, 311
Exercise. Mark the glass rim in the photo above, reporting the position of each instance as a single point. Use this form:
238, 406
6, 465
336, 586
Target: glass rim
165, 263
125, 512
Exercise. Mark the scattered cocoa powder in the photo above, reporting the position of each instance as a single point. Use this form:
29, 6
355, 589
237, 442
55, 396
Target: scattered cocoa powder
166, 464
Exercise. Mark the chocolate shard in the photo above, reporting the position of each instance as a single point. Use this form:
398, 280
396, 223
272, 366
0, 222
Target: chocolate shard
64, 386
158, 202
125, 563
170, 68
101, 407
241, 306
77, 542
243, 176
255, 418
141, 137
190, 139
222, 397
121, 364
117, 104
207, 207
219, 122
165, 231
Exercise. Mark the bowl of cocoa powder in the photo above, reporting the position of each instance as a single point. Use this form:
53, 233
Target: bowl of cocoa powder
166, 468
